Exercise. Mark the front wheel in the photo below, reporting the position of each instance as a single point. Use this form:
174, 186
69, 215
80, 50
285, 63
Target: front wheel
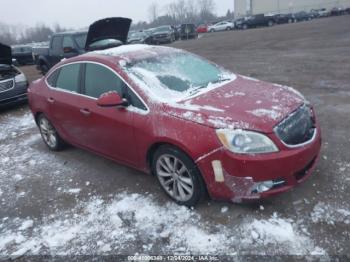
49, 134
178, 176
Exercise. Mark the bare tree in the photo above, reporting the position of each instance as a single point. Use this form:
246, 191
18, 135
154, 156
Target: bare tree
153, 11
206, 9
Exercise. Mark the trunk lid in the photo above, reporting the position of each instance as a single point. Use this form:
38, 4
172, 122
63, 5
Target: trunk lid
109, 28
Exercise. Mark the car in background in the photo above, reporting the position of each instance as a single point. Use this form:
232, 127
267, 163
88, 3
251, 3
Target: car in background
284, 18
336, 11
221, 26
13, 83
163, 35
140, 37
318, 13
22, 54
303, 16
62, 45
179, 117
259, 20
188, 31
202, 29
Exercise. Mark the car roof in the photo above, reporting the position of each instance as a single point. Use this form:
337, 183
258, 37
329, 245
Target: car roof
71, 33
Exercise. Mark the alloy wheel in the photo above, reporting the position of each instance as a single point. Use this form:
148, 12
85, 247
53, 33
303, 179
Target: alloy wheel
48, 132
174, 177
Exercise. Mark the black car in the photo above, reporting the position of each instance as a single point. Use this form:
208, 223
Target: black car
284, 18
255, 21
188, 31
163, 35
140, 38
303, 16
23, 54
13, 83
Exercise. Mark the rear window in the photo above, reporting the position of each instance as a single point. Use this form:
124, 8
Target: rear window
81, 40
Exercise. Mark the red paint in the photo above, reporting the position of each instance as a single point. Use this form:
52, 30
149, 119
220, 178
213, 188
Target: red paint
126, 136
202, 29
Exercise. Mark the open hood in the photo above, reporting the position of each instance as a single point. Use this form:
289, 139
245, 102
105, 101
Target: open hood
109, 28
5, 55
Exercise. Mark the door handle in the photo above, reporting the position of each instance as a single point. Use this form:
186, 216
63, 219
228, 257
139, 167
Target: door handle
51, 100
85, 112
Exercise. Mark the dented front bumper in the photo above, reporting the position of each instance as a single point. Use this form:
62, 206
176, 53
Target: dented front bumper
236, 177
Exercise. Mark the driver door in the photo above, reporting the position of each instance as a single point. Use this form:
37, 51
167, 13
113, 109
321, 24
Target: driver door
107, 130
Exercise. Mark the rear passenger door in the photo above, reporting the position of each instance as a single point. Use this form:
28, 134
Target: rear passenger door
107, 130
64, 102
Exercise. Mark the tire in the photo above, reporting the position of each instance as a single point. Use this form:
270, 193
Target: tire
49, 134
228, 29
178, 176
245, 27
270, 23
212, 31
44, 68
290, 20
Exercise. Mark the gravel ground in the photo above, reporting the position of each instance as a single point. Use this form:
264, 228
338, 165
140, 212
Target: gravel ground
75, 202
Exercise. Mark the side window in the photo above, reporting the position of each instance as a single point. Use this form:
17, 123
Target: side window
57, 44
68, 42
135, 101
68, 78
99, 80
51, 80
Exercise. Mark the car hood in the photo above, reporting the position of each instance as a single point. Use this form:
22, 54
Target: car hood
5, 55
244, 103
109, 28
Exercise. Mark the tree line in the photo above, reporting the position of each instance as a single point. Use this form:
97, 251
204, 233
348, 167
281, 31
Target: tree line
174, 13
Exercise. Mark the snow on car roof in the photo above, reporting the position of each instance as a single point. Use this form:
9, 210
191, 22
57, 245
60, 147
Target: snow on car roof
124, 49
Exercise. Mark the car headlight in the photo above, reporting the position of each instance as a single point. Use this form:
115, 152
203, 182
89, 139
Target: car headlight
246, 142
20, 78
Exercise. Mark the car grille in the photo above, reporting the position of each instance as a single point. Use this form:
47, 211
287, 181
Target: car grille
6, 85
298, 128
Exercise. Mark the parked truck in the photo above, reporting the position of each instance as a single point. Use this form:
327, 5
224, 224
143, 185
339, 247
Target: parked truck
61, 45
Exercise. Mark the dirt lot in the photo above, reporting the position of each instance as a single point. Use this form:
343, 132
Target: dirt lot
74, 202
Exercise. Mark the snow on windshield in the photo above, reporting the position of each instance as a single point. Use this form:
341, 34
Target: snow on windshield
174, 76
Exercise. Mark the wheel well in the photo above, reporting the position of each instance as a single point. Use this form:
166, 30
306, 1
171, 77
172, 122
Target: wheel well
36, 117
154, 148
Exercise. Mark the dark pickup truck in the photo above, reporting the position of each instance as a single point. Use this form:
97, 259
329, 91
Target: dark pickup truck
255, 21
62, 45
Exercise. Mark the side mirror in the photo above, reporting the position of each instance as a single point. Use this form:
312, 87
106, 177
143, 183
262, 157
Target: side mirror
69, 49
112, 99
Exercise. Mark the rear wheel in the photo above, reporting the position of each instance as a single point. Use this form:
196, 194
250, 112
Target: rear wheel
44, 68
228, 28
49, 134
290, 21
245, 27
270, 23
178, 176
212, 31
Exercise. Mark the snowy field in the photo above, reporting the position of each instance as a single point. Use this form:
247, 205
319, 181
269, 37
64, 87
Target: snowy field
128, 222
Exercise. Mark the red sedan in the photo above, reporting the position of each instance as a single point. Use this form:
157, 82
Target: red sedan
202, 29
196, 126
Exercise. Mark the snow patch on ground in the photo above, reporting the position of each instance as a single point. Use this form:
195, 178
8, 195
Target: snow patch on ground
118, 224
323, 213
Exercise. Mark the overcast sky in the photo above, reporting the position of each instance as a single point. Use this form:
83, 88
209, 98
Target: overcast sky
81, 13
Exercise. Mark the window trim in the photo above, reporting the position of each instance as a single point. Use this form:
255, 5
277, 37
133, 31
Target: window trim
144, 112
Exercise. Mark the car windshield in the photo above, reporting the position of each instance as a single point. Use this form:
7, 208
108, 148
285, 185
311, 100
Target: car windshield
177, 75
81, 40
137, 35
161, 29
